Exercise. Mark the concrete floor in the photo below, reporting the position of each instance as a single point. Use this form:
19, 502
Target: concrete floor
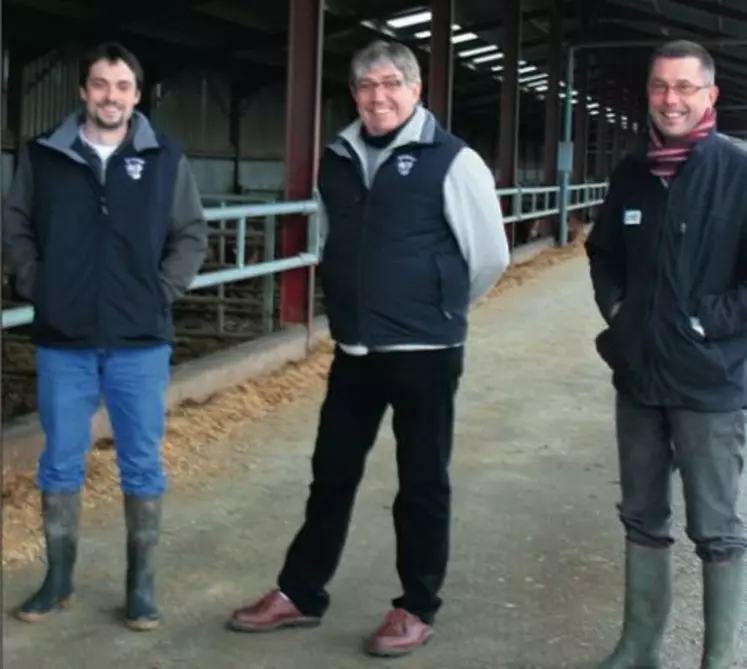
535, 577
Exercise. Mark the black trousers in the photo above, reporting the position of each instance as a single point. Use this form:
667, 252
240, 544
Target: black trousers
420, 386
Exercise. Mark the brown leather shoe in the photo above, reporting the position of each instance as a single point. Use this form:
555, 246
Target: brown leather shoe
272, 612
401, 633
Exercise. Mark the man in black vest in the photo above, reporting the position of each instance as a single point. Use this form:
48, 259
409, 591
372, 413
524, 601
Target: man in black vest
414, 236
104, 230
668, 259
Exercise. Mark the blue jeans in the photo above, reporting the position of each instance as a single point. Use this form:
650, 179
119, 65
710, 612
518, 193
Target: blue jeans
133, 383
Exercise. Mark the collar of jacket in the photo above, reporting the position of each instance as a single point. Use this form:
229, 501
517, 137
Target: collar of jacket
420, 129
141, 134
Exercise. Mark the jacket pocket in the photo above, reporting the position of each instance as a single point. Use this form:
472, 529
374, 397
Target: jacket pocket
133, 306
25, 282
64, 302
38, 291
605, 346
610, 342
31, 286
453, 285
166, 300
700, 359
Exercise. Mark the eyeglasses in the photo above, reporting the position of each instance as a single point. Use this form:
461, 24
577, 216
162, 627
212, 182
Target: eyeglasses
368, 86
684, 89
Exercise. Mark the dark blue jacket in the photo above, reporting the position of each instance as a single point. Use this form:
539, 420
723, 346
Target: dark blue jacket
102, 253
392, 270
676, 259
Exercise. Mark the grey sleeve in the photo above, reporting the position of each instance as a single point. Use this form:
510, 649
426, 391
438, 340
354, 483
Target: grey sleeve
20, 249
474, 212
186, 245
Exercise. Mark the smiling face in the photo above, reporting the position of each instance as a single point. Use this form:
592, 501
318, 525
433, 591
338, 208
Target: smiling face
110, 94
385, 99
680, 91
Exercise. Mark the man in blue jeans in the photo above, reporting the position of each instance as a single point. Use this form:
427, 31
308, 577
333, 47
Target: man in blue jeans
103, 230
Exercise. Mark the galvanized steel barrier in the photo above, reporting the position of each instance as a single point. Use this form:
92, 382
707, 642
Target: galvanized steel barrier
527, 203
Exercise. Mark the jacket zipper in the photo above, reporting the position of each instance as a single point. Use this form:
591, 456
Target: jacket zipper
100, 181
361, 175
647, 329
681, 230
361, 246
353, 157
102, 262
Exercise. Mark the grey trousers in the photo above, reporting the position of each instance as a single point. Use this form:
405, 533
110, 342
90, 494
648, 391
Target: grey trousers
708, 451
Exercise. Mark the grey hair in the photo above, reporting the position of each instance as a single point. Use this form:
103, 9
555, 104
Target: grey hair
381, 53
686, 49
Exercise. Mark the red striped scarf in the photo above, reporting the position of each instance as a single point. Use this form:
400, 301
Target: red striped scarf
665, 155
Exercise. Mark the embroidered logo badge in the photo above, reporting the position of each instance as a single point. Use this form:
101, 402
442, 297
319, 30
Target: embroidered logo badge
405, 163
134, 167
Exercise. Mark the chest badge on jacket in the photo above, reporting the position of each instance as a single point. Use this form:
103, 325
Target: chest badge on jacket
405, 163
632, 217
134, 167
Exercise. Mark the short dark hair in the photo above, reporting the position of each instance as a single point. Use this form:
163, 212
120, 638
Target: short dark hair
110, 52
685, 49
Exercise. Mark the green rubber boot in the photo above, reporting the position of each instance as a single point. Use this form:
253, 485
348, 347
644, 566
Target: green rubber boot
648, 598
60, 516
723, 597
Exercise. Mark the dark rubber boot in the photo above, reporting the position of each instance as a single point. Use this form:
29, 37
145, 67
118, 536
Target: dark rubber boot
723, 596
60, 516
648, 600
143, 517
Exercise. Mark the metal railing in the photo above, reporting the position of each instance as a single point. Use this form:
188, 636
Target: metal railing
534, 202
584, 196
526, 204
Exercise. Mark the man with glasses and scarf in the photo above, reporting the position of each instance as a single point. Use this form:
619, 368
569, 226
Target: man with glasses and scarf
668, 260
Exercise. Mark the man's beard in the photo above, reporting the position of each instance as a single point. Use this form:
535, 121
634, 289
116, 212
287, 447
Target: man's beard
107, 125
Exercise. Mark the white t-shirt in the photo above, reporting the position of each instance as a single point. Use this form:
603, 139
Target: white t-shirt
104, 151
